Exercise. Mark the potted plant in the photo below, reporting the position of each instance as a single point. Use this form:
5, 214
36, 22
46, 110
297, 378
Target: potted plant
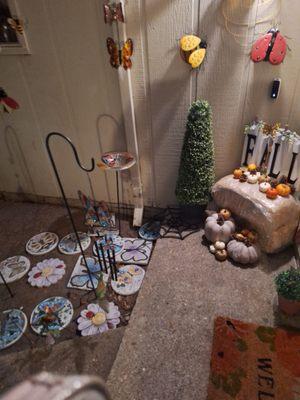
288, 290
196, 171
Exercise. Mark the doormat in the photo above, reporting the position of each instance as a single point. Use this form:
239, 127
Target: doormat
251, 361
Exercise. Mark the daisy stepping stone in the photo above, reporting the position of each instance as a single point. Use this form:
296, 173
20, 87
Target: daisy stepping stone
51, 315
95, 320
14, 268
135, 251
47, 272
42, 243
13, 324
130, 278
69, 244
80, 278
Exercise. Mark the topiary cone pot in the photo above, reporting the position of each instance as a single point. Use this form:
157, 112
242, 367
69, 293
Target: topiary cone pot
289, 307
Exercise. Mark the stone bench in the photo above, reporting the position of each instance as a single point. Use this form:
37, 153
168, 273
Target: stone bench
275, 221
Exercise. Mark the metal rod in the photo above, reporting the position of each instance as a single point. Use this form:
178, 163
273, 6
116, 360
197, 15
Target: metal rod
110, 264
103, 256
98, 255
52, 134
115, 265
6, 285
118, 200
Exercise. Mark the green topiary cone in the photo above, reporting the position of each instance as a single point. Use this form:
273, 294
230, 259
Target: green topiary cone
196, 171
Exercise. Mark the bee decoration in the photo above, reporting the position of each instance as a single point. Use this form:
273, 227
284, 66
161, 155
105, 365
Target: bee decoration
193, 50
112, 12
120, 56
16, 24
269, 47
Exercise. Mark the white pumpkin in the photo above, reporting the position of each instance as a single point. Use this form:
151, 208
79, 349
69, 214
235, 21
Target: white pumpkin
216, 229
212, 249
252, 178
264, 186
219, 245
242, 253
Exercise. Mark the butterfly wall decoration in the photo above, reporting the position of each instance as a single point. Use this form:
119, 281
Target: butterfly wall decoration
7, 104
269, 47
120, 56
16, 24
113, 12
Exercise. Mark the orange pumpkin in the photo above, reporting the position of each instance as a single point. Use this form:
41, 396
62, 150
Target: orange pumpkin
283, 189
251, 167
237, 173
226, 214
271, 193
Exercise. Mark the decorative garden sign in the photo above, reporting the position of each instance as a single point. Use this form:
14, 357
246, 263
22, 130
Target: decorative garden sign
275, 148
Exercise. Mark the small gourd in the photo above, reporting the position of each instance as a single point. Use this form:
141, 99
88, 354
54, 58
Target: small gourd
226, 214
212, 249
271, 193
217, 229
237, 173
283, 189
221, 255
219, 245
243, 252
243, 178
251, 167
252, 178
264, 186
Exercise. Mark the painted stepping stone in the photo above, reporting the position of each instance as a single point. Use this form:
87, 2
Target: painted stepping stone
69, 244
113, 242
95, 320
117, 160
47, 272
80, 278
42, 243
51, 315
13, 324
135, 251
130, 278
14, 268
150, 230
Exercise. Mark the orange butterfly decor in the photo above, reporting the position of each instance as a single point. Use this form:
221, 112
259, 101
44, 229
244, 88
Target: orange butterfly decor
120, 56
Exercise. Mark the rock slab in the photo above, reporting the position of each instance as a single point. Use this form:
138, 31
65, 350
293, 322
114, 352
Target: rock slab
275, 220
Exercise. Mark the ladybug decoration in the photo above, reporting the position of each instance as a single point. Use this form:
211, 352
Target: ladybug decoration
7, 104
193, 50
270, 47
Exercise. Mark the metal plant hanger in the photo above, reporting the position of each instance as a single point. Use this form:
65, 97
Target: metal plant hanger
52, 134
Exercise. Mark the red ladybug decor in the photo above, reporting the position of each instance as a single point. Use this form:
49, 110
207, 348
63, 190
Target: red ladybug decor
7, 104
270, 47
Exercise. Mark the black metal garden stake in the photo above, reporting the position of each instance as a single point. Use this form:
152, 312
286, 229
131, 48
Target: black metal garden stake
63, 192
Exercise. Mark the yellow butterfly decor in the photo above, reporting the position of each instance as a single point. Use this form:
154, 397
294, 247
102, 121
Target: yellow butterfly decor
193, 50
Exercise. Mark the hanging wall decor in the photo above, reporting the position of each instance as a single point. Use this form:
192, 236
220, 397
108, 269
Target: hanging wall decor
193, 50
112, 12
130, 278
42, 243
95, 320
51, 315
14, 268
120, 55
80, 278
47, 272
269, 47
13, 324
7, 104
69, 244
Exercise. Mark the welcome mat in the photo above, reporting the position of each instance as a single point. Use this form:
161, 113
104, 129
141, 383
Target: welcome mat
251, 362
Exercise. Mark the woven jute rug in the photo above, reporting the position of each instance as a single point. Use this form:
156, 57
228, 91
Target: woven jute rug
250, 362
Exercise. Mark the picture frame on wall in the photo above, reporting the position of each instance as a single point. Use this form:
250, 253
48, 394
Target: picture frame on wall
13, 38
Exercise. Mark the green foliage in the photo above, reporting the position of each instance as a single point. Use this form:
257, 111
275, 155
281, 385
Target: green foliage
196, 172
288, 284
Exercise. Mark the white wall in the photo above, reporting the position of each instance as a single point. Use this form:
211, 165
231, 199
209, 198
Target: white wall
67, 83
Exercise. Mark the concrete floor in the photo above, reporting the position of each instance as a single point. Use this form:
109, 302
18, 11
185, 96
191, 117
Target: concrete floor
165, 350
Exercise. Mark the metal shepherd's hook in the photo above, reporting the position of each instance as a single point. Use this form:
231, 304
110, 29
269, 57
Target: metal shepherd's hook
63, 192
